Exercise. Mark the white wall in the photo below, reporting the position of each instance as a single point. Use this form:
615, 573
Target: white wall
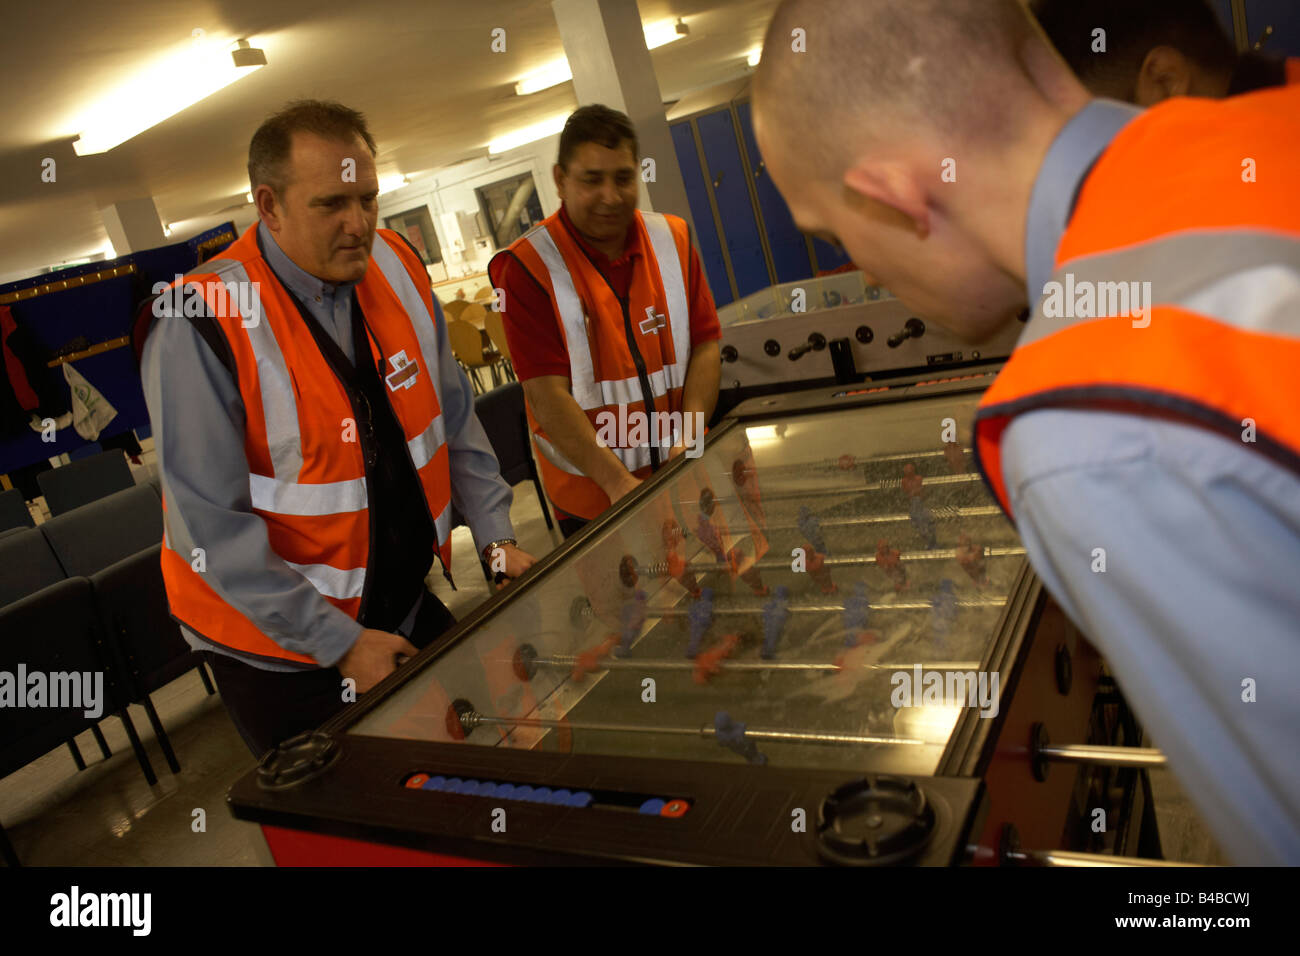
451, 189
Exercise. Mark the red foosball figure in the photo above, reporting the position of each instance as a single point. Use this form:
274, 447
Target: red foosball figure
854, 652
911, 481
887, 559
956, 457
819, 572
735, 559
744, 475
709, 663
846, 462
589, 660
678, 569
971, 557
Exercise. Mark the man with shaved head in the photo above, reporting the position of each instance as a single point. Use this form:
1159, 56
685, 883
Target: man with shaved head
1143, 434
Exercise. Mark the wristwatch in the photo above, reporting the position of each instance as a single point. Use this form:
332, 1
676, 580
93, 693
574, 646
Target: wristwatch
487, 551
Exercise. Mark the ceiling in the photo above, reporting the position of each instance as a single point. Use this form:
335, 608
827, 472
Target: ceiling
420, 70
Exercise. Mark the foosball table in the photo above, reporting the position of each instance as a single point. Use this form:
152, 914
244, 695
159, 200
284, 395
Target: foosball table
817, 642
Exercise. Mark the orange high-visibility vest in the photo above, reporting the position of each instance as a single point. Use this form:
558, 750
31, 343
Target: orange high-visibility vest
306, 469
1198, 199
1293, 69
632, 354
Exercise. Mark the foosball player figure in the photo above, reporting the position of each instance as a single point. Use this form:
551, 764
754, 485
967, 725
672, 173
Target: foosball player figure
888, 561
589, 660
776, 613
819, 572
911, 481
943, 609
705, 527
956, 457
747, 488
627, 571
678, 569
971, 557
923, 523
736, 560
856, 614
700, 616
846, 462
731, 734
812, 530
631, 617
709, 663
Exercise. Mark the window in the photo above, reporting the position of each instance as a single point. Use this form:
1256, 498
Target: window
511, 207
417, 226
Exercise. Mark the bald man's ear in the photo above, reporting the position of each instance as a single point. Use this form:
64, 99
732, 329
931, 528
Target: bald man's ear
893, 184
1165, 72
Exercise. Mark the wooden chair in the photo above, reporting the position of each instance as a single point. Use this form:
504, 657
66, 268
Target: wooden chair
467, 346
496, 330
475, 315
454, 308
483, 293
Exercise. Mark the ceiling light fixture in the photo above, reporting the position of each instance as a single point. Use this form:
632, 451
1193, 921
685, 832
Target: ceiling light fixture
665, 32
754, 56
391, 182
529, 134
163, 89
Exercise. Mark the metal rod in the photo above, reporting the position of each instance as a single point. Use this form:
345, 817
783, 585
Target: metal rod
660, 568
1105, 756
674, 612
616, 663
888, 484
472, 719
1068, 858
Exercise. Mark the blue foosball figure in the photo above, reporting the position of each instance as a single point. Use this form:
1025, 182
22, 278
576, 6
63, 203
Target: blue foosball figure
700, 616
631, 617
812, 530
776, 613
943, 609
857, 609
923, 523
731, 734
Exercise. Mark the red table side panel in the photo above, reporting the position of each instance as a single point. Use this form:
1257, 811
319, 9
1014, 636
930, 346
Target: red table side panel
298, 848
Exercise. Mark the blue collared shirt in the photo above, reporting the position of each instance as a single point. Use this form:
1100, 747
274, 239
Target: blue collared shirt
198, 422
1198, 608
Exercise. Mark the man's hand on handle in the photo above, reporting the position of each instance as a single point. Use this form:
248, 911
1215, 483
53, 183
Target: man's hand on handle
373, 657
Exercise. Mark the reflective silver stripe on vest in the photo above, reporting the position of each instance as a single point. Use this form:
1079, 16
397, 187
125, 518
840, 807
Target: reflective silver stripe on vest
442, 525
582, 376
674, 282
283, 437
554, 457
413, 304
426, 444
333, 582
292, 498
626, 391
1246, 278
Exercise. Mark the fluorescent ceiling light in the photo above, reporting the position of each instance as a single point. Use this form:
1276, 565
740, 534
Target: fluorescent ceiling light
553, 74
529, 134
754, 55
557, 71
108, 250
164, 88
390, 182
249, 196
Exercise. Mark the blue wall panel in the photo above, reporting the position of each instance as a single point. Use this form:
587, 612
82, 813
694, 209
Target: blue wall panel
735, 208
697, 196
789, 248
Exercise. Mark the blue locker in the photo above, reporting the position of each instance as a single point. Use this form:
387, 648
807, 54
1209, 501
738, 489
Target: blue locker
1283, 16
828, 257
787, 243
697, 196
735, 208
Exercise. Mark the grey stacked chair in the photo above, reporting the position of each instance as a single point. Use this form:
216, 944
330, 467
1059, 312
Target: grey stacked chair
13, 511
84, 481
115, 542
56, 631
502, 414
29, 566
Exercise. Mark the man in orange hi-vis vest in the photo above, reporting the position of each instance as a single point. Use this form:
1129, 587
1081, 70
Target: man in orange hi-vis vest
1143, 435
611, 326
313, 431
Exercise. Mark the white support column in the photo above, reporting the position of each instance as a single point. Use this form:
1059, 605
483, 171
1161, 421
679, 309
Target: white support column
133, 225
604, 42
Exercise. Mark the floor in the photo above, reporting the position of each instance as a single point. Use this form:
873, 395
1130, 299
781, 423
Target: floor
107, 815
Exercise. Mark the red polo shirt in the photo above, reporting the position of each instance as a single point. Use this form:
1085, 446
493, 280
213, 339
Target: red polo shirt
533, 330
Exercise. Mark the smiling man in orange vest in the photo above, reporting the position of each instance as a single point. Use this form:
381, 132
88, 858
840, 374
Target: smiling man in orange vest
610, 323
313, 430
1144, 434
